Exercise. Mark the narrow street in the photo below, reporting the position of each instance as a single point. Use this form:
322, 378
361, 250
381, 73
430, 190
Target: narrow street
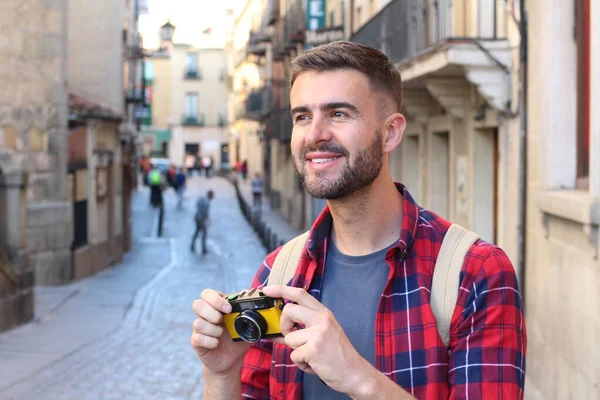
124, 332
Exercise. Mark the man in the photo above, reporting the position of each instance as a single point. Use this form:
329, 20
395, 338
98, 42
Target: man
156, 181
257, 189
202, 220
361, 291
180, 179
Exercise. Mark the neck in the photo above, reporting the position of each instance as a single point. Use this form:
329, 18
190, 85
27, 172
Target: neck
369, 220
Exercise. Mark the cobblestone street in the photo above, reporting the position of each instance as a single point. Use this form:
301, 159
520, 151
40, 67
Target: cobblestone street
124, 333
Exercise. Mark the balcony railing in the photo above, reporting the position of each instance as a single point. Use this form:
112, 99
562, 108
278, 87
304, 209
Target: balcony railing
192, 120
271, 13
256, 42
259, 103
193, 74
293, 25
405, 28
279, 125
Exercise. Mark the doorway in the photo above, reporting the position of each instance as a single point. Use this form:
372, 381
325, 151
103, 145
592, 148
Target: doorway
440, 174
485, 183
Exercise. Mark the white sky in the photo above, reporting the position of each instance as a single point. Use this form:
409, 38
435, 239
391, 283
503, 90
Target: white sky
190, 18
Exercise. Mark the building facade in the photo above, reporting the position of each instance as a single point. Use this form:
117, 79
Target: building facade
188, 99
100, 142
562, 276
35, 216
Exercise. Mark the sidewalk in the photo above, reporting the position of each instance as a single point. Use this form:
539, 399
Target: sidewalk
273, 229
124, 332
90, 310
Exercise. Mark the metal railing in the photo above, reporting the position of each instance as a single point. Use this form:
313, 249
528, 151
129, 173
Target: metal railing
271, 13
192, 119
279, 125
192, 74
293, 25
405, 28
256, 42
259, 103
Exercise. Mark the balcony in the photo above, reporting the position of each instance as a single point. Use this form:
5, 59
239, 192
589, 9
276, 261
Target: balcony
271, 14
431, 41
192, 119
257, 43
222, 121
293, 26
259, 103
279, 125
192, 74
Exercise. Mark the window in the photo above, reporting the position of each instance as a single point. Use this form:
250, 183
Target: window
191, 63
332, 18
582, 38
191, 105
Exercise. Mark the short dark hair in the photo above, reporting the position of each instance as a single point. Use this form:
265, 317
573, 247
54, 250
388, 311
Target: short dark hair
382, 74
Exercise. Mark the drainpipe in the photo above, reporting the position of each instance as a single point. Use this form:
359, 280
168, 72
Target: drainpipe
522, 217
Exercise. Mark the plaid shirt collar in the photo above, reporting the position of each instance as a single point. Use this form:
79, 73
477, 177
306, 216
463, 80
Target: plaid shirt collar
321, 228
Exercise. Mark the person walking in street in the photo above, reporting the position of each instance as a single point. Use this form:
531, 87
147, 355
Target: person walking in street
257, 190
360, 315
180, 180
202, 220
189, 163
156, 181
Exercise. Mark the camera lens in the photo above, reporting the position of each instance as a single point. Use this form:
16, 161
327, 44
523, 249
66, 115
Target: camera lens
250, 325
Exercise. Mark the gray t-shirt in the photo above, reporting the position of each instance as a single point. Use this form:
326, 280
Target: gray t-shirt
352, 288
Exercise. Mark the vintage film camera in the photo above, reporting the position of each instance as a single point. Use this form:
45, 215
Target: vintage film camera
254, 316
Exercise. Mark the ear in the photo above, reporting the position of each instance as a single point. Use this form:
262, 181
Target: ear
395, 125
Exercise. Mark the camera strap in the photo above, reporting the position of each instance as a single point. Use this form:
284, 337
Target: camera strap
446, 275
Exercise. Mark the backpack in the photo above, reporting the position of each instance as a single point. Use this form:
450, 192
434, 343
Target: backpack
155, 177
444, 285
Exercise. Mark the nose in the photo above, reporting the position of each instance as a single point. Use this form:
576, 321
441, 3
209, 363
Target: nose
318, 131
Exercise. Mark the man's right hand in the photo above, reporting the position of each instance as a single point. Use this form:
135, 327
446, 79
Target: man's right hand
211, 341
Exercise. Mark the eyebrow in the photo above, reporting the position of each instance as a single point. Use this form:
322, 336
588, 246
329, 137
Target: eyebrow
328, 106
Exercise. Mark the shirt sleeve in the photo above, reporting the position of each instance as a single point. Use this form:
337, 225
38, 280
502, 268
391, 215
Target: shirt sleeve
488, 335
256, 369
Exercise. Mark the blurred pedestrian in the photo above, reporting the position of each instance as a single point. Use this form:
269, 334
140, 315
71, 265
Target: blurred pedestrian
180, 180
202, 220
189, 163
244, 170
156, 182
257, 190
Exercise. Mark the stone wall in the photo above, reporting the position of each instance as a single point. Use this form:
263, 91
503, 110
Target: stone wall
33, 122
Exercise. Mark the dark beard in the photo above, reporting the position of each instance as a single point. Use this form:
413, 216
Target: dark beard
366, 167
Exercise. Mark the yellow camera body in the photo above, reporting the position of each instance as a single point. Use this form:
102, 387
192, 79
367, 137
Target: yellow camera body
254, 316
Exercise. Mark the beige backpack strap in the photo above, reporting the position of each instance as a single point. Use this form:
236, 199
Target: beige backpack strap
446, 275
287, 260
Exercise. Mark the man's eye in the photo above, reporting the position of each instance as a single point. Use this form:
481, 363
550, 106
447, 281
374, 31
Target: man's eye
301, 118
339, 114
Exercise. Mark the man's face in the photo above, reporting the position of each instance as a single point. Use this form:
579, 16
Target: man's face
336, 145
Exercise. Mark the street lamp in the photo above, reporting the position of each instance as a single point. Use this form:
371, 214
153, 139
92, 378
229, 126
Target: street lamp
166, 32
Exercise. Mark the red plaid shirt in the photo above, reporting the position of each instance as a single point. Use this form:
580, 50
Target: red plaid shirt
487, 331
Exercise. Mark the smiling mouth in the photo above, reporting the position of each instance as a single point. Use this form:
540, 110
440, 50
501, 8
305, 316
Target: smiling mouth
323, 160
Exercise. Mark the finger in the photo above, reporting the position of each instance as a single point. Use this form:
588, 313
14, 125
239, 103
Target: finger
298, 338
205, 311
277, 339
203, 326
216, 300
297, 295
201, 343
293, 314
299, 357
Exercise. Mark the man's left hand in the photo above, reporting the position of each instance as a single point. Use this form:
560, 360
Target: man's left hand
322, 348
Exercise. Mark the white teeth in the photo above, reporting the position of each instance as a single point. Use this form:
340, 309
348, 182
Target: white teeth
322, 160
